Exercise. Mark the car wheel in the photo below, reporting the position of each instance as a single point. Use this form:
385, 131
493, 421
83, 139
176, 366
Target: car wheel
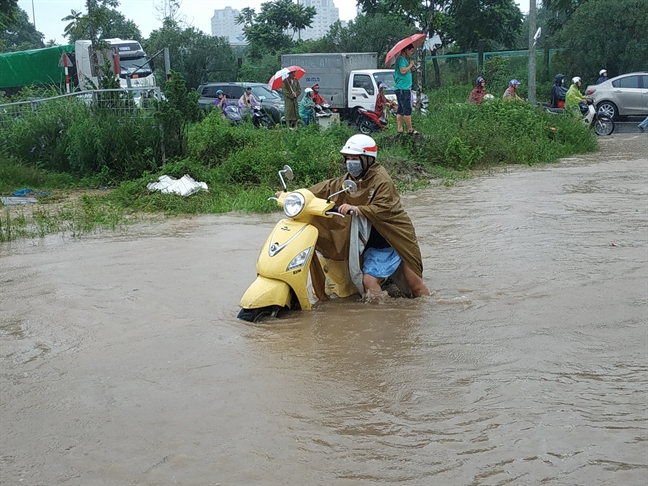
608, 109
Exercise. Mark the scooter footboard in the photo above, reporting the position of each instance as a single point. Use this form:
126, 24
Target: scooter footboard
266, 292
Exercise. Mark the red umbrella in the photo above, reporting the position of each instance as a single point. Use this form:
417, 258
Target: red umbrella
279, 76
416, 40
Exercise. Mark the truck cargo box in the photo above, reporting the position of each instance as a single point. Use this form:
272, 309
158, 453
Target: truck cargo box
330, 71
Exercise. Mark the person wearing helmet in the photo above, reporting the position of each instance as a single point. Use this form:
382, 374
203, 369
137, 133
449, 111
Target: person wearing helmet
221, 101
479, 91
381, 101
574, 98
247, 101
558, 92
391, 245
318, 99
510, 93
307, 107
603, 76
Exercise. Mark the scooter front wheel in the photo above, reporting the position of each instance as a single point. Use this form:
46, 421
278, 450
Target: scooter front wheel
256, 315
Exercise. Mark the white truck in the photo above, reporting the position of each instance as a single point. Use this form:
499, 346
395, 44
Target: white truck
129, 59
348, 81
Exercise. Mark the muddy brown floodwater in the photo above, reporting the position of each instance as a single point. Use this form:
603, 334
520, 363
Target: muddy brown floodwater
122, 361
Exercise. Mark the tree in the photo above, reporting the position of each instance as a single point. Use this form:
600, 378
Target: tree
114, 25
169, 9
91, 25
367, 33
199, 58
491, 21
613, 35
20, 35
265, 31
8, 12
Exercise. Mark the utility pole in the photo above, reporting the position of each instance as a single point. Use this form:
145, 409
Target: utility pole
532, 55
34, 14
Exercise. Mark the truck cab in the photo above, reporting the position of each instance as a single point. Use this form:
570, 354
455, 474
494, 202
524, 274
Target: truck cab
363, 87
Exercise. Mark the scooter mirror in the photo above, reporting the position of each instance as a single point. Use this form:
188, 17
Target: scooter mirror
289, 173
350, 186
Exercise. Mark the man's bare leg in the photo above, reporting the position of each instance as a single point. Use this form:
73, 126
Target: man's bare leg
414, 281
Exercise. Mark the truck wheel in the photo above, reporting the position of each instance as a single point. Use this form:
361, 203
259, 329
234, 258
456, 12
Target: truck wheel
366, 127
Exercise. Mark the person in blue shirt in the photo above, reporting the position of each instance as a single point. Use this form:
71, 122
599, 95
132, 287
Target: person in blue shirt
403, 77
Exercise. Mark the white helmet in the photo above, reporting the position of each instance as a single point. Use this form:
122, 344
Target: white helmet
360, 145
602, 71
308, 90
576, 79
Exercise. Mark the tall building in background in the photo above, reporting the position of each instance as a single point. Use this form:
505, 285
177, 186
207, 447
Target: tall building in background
223, 24
327, 15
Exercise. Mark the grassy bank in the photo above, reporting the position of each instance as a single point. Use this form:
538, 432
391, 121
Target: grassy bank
240, 163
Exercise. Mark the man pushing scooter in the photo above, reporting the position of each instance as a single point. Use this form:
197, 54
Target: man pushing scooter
391, 245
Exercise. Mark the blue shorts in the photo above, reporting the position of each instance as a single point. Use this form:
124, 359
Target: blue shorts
381, 262
404, 100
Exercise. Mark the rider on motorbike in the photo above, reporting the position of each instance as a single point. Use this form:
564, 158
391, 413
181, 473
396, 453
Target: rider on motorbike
479, 91
306, 107
381, 101
573, 98
558, 92
318, 99
391, 243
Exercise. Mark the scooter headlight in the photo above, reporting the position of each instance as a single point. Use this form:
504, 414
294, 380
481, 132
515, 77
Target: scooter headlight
293, 204
300, 260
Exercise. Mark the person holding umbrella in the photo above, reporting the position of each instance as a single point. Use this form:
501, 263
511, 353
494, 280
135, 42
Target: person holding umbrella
403, 68
291, 91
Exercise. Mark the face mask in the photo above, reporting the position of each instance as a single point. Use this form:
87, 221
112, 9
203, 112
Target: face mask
354, 167
316, 90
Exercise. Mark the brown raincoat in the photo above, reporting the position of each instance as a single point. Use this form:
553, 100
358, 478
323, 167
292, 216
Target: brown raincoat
288, 87
379, 201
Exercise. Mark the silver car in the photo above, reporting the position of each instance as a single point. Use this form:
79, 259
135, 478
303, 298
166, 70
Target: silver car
621, 96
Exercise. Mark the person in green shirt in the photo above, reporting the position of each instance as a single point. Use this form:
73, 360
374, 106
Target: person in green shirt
403, 77
574, 97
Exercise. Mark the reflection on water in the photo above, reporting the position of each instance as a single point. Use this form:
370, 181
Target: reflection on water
123, 362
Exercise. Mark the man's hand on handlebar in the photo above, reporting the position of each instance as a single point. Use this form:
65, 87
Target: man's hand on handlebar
347, 208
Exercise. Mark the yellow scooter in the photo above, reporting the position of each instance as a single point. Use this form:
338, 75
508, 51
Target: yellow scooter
285, 258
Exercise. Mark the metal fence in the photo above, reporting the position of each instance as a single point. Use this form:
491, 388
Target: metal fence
451, 69
122, 100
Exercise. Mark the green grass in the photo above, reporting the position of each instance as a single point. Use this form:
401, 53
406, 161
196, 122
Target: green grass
240, 163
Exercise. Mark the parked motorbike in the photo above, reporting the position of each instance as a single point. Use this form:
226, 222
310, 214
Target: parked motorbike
284, 262
260, 118
369, 122
323, 110
601, 124
233, 114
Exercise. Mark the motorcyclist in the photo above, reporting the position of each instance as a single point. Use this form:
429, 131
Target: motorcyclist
558, 92
306, 107
573, 98
510, 93
381, 102
247, 101
221, 101
318, 99
603, 76
479, 91
391, 243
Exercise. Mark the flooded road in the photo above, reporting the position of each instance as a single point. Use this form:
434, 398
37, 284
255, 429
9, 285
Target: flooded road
122, 361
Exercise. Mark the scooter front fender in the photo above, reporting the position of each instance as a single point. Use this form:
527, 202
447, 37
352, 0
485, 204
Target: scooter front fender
265, 292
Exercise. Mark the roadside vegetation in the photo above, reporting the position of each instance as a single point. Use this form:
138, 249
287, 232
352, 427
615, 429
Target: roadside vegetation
69, 147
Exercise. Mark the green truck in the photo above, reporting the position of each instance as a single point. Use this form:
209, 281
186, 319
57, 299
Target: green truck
34, 68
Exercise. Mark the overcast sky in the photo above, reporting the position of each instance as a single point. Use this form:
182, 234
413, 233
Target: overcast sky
198, 13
